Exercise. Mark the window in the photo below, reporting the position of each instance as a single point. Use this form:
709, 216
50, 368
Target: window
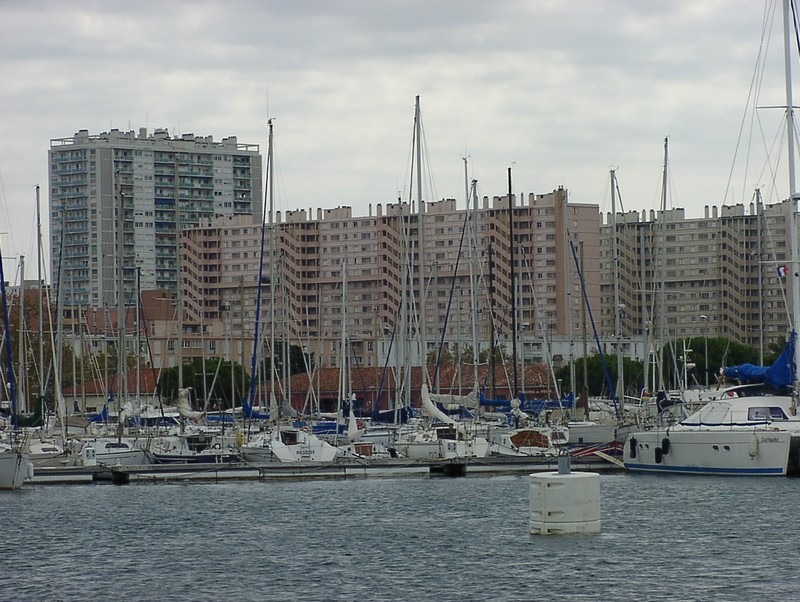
766, 413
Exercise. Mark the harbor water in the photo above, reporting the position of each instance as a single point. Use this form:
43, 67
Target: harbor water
663, 538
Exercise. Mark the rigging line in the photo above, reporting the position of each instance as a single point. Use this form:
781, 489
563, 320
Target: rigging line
450, 297
611, 389
770, 151
427, 163
540, 319
256, 338
756, 83
772, 245
6, 213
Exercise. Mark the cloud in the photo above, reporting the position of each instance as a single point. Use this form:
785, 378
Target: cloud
561, 90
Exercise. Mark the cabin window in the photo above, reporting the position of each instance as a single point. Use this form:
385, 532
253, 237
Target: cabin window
766, 413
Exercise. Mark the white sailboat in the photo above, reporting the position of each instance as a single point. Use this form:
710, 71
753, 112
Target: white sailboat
15, 468
277, 442
749, 430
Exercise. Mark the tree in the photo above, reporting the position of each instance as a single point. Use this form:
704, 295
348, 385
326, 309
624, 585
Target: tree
229, 377
721, 352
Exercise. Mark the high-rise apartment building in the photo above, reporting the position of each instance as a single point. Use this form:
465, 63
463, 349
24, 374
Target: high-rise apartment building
354, 280
721, 275
164, 185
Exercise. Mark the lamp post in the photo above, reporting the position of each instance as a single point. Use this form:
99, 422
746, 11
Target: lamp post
705, 344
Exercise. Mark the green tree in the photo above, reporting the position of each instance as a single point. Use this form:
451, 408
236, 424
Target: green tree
227, 382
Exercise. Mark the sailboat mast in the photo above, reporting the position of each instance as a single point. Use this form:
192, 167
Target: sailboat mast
21, 359
617, 320
473, 248
662, 261
423, 342
513, 285
12, 387
759, 215
274, 412
121, 377
256, 327
39, 287
793, 196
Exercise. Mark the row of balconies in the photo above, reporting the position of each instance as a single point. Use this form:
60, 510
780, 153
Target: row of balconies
187, 196
71, 157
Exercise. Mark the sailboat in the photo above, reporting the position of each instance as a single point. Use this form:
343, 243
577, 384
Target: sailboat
752, 429
278, 442
15, 468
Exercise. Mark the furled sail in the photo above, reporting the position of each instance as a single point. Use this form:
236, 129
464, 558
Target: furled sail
184, 407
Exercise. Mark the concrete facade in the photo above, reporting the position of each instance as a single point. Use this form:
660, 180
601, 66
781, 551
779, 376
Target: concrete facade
165, 185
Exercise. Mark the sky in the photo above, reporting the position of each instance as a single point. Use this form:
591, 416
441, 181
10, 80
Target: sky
560, 91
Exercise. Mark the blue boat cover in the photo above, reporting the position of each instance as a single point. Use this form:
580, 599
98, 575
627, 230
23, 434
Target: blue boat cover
249, 412
531, 406
102, 416
779, 375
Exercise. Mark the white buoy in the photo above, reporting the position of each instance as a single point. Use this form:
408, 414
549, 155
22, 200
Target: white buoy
564, 502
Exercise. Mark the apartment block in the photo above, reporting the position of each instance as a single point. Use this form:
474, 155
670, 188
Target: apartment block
721, 275
152, 186
350, 286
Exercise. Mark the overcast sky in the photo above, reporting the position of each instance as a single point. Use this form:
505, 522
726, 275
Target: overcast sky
561, 90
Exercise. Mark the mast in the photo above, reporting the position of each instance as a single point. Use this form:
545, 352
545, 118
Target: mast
343, 350
39, 287
138, 334
661, 247
793, 196
492, 358
472, 216
58, 341
12, 387
617, 307
584, 395
121, 377
568, 299
274, 408
513, 286
22, 398
421, 236
256, 328
759, 214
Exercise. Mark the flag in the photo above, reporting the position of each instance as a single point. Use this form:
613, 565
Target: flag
782, 271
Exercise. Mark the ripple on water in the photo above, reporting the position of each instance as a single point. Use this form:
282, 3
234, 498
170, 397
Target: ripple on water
663, 538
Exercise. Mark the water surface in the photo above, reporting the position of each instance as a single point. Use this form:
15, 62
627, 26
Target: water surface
663, 538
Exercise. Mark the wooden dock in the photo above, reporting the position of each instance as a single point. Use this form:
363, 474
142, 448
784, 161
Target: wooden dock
345, 468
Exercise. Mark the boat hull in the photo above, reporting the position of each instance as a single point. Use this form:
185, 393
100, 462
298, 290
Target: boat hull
444, 449
288, 445
738, 452
14, 469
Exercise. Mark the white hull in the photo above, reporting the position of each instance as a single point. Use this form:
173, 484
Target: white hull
288, 445
14, 469
444, 449
744, 451
111, 452
590, 433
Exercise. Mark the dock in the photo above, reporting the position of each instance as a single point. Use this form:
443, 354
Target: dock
342, 468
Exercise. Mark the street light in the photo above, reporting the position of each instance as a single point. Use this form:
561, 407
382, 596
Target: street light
705, 344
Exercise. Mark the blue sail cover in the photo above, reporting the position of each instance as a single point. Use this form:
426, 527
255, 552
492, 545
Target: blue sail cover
102, 416
249, 412
779, 375
531, 406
